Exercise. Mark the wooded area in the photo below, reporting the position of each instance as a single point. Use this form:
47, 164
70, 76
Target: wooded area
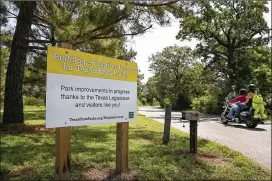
233, 48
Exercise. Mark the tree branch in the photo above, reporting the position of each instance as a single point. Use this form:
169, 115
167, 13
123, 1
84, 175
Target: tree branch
10, 17
244, 41
37, 52
36, 48
42, 79
218, 40
37, 24
110, 24
12, 13
142, 4
118, 36
42, 20
40, 41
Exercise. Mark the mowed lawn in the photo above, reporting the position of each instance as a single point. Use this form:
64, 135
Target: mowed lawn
27, 153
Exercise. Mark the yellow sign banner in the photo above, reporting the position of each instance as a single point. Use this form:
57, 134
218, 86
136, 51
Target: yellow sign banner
70, 62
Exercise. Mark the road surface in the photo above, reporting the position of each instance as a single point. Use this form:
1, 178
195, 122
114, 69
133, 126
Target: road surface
253, 143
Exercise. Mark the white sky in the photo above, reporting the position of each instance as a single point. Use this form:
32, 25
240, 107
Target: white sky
160, 37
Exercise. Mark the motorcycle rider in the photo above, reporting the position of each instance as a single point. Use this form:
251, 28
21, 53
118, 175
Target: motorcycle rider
252, 92
242, 98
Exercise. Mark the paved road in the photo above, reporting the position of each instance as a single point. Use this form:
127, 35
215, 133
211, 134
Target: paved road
254, 143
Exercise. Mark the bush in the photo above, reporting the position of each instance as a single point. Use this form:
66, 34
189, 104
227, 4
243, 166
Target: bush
155, 102
166, 101
139, 103
32, 101
144, 101
205, 104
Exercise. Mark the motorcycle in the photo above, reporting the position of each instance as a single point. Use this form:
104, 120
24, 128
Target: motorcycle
245, 116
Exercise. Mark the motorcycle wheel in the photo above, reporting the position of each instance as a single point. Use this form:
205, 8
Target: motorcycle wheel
223, 119
251, 123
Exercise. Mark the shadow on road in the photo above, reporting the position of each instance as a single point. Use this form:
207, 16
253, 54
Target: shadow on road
199, 121
244, 127
151, 110
162, 117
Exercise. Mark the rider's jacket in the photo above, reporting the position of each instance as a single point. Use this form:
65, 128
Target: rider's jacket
241, 99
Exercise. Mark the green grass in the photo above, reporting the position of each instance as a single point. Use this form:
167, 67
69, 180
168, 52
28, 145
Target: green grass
27, 108
34, 107
30, 155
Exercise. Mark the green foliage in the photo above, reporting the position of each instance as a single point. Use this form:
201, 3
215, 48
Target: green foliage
144, 101
4, 54
139, 103
262, 74
96, 27
232, 50
32, 101
226, 30
204, 104
170, 67
166, 101
151, 91
140, 85
154, 102
178, 77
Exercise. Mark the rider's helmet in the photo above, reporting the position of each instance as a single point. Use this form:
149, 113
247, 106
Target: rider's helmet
252, 87
242, 91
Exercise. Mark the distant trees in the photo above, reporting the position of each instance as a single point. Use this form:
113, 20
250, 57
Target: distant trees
226, 31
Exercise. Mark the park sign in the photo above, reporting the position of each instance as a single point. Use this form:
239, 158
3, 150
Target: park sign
84, 89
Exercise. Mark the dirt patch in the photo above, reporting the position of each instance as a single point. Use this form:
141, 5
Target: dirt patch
108, 174
22, 128
204, 157
211, 158
181, 152
26, 171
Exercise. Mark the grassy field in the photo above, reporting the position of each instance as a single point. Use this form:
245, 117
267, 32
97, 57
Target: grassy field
27, 153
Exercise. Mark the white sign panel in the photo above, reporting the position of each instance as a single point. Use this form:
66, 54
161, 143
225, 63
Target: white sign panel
84, 89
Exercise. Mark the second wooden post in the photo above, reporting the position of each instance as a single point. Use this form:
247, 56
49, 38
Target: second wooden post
167, 124
122, 147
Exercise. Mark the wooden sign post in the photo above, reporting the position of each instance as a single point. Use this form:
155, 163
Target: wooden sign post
63, 146
122, 147
193, 117
167, 124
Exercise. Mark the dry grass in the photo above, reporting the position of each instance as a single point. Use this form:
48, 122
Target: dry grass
108, 174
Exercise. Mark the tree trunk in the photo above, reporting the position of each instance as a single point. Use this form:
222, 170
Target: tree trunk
13, 102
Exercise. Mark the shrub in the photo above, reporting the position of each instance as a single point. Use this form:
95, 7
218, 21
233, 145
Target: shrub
205, 104
155, 102
166, 101
144, 101
139, 103
32, 101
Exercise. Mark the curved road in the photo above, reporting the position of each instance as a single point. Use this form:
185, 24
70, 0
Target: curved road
253, 143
